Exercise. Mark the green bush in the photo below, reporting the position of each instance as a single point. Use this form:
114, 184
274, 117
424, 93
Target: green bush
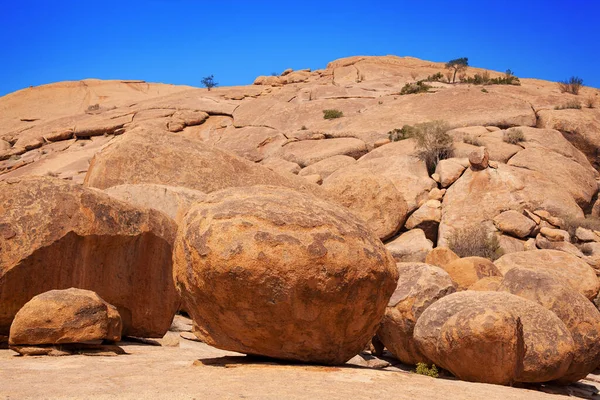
405, 132
484, 79
474, 241
472, 140
571, 104
417, 87
435, 77
423, 369
571, 85
332, 114
513, 136
432, 142
484, 90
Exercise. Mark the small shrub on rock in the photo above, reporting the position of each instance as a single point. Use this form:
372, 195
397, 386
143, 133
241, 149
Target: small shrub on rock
332, 114
405, 132
413, 88
571, 104
590, 102
571, 85
433, 143
423, 369
513, 136
474, 241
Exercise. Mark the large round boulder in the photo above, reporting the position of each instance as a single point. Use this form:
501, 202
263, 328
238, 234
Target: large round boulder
274, 272
494, 337
372, 197
65, 316
56, 235
564, 266
419, 286
579, 314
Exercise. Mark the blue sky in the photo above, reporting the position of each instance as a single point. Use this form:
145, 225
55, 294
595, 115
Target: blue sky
180, 41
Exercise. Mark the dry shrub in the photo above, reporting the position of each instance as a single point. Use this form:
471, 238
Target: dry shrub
513, 136
414, 75
432, 142
571, 85
590, 102
571, 104
474, 241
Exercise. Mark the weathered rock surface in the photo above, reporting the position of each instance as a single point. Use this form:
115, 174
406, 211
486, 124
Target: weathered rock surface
514, 223
468, 270
410, 246
462, 331
427, 217
328, 166
65, 316
171, 200
441, 256
578, 314
565, 267
487, 284
308, 152
479, 159
278, 165
150, 156
56, 235
270, 271
371, 197
477, 197
419, 286
449, 171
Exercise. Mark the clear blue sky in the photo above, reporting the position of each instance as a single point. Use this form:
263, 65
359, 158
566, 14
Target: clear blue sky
180, 41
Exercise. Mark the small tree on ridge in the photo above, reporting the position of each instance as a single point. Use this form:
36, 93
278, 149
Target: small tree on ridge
209, 82
457, 65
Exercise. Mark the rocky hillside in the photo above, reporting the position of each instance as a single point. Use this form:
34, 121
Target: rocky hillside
311, 196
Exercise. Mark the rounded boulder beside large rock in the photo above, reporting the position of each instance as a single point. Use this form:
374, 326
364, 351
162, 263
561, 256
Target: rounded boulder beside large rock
564, 266
274, 272
494, 337
419, 286
65, 316
56, 235
371, 197
579, 314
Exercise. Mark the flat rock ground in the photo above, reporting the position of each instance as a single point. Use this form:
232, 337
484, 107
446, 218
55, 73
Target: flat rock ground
194, 370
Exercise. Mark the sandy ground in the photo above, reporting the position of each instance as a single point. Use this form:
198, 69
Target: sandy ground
194, 370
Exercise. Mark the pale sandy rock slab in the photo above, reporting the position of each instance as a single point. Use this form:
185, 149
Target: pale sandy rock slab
270, 271
555, 235
514, 223
411, 246
268, 80
308, 152
565, 267
582, 128
314, 179
542, 242
373, 198
407, 173
468, 270
477, 197
554, 221
65, 316
441, 256
56, 235
487, 284
171, 200
279, 165
586, 235
419, 286
436, 194
152, 156
427, 218
253, 143
579, 315
448, 171
566, 173
401, 148
508, 244
461, 331
328, 166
